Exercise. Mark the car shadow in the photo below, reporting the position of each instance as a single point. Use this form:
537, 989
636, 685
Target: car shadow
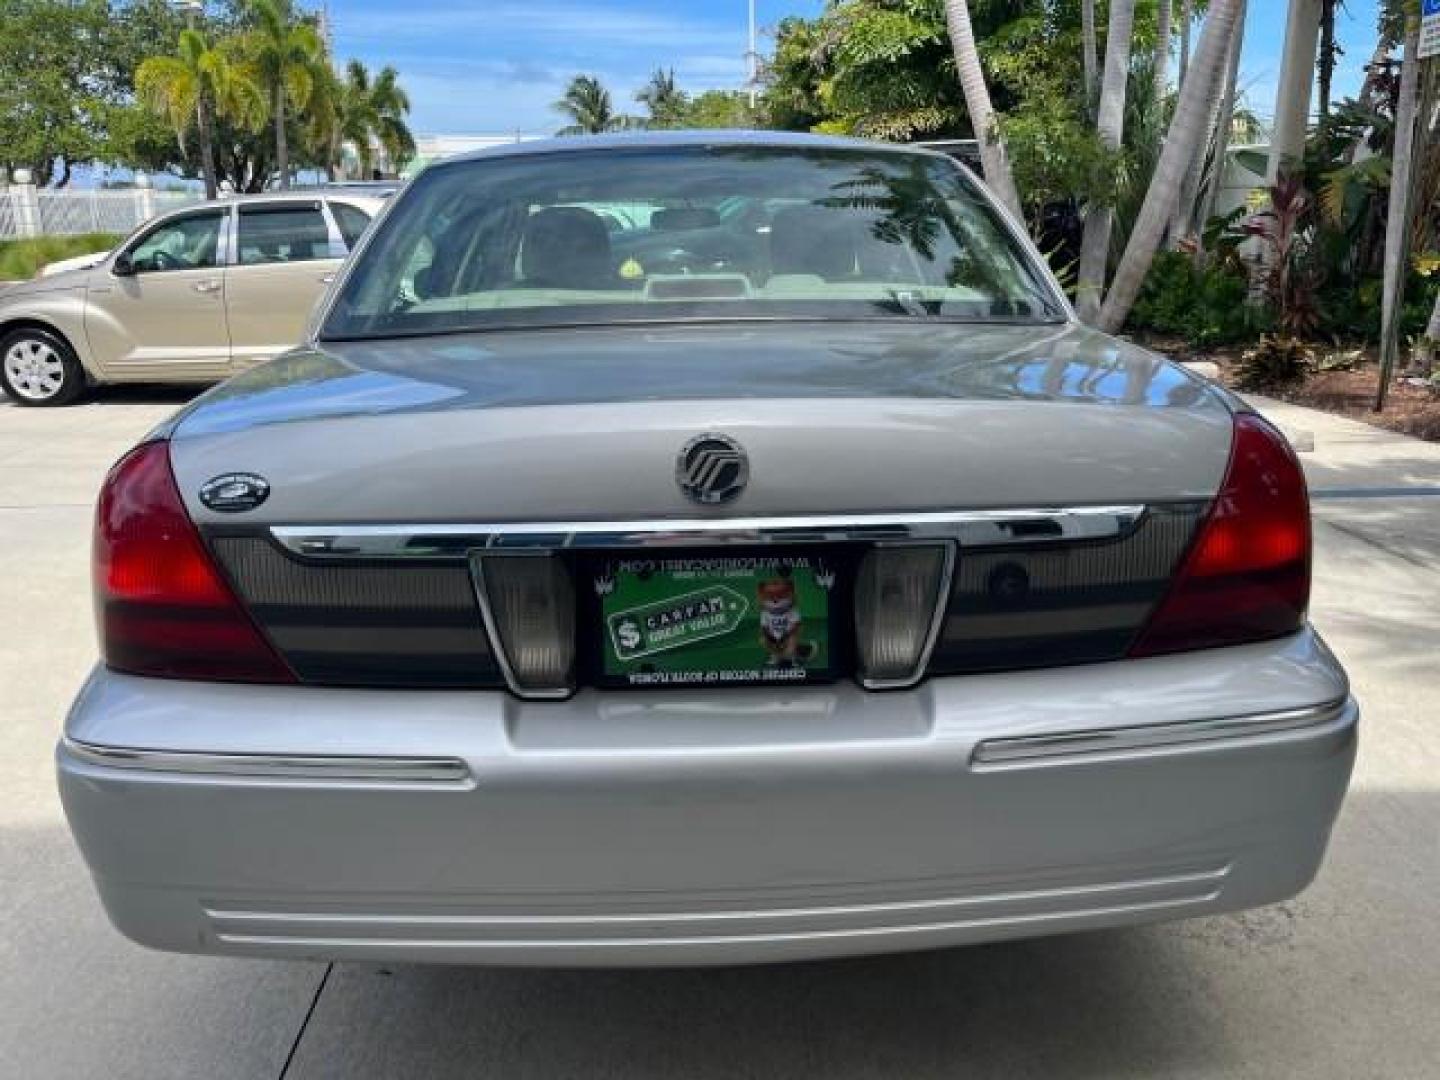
143, 394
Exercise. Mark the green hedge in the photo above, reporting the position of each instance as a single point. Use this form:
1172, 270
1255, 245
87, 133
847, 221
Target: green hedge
20, 260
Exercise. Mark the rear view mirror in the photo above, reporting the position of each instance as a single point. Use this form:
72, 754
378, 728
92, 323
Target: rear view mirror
122, 266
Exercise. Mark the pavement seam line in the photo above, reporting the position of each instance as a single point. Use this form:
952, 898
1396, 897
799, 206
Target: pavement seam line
305, 1021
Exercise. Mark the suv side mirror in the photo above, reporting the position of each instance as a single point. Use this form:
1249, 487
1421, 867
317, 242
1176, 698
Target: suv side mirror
123, 266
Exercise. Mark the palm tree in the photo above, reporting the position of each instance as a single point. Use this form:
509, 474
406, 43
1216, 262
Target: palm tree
589, 106
1398, 216
1224, 123
1163, 12
372, 112
287, 56
663, 99
1187, 17
1186, 129
1110, 125
977, 103
1183, 223
1087, 49
195, 86
1330, 52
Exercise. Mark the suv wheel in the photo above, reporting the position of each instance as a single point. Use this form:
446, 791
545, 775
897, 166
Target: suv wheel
38, 367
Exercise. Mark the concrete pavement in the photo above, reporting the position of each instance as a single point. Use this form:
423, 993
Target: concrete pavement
1340, 982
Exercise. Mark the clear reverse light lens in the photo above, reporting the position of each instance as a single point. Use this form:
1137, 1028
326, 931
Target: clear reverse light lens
530, 613
896, 595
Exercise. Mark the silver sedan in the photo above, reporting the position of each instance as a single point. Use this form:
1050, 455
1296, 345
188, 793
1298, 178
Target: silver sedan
700, 548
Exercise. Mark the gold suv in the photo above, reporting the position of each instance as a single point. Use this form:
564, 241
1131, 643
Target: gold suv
192, 296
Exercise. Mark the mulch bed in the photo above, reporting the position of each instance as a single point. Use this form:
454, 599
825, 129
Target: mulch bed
1409, 409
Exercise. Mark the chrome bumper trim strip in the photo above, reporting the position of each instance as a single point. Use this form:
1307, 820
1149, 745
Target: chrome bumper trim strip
1066, 746
971, 528
275, 766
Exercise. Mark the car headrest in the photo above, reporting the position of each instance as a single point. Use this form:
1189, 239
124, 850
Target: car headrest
684, 217
566, 247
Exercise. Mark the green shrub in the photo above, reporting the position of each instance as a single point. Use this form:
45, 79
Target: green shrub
1276, 361
1208, 307
1351, 311
20, 260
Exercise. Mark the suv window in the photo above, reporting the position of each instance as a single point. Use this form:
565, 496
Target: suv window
280, 234
188, 243
352, 221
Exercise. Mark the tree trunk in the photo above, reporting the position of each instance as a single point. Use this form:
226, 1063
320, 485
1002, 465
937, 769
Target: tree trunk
1087, 45
1397, 223
282, 149
1225, 122
207, 148
1110, 126
1183, 224
1187, 16
977, 104
1424, 361
1293, 92
1191, 115
1328, 54
1164, 11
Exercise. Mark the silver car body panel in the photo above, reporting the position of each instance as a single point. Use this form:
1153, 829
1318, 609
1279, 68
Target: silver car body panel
536, 426
699, 827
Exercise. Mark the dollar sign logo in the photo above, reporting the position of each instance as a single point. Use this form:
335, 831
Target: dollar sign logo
629, 635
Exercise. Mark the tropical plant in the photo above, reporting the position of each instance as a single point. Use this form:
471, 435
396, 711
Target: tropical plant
1397, 220
1192, 115
1285, 226
1219, 150
663, 100
370, 113
589, 106
287, 57
195, 86
1330, 52
1089, 52
977, 102
1203, 307
1110, 118
1160, 65
1277, 361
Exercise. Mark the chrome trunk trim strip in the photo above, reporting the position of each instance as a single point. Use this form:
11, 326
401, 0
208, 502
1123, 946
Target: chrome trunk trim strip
970, 528
437, 770
1065, 746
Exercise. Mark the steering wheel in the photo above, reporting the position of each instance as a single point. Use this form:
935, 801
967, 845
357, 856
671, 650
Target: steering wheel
164, 260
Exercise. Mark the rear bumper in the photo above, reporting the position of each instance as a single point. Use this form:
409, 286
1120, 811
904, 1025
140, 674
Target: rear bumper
697, 827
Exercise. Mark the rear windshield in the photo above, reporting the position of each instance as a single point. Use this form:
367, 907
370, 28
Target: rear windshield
655, 235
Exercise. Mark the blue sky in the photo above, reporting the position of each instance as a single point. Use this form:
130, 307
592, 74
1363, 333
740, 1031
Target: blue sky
496, 65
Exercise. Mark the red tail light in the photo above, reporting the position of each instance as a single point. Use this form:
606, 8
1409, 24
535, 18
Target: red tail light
162, 607
1247, 575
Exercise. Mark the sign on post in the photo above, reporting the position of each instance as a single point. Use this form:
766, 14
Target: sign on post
1429, 29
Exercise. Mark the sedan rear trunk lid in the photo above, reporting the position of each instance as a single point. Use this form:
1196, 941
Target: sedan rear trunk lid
587, 424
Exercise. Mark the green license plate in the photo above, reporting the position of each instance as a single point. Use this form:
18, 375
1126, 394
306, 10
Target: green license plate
711, 620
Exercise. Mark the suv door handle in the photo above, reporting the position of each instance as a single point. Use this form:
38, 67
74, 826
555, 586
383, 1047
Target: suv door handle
209, 285
326, 279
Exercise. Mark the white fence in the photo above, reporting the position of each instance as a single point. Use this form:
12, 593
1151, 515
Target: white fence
26, 211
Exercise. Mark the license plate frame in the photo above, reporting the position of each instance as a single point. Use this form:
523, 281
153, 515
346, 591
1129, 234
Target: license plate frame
819, 650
